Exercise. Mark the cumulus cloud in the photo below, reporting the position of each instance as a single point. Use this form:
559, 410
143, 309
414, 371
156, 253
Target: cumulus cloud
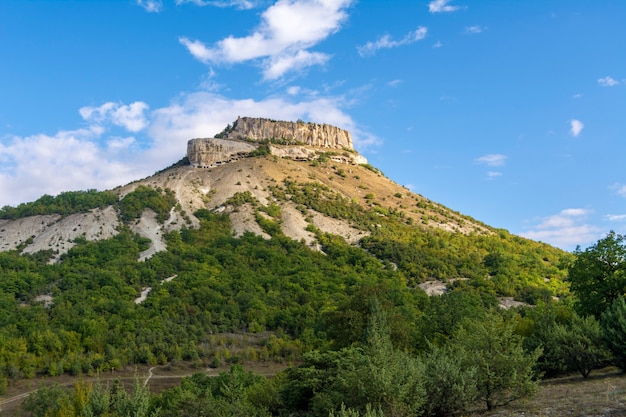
567, 229
607, 81
386, 42
576, 126
93, 158
151, 6
441, 6
131, 117
280, 43
492, 160
49, 164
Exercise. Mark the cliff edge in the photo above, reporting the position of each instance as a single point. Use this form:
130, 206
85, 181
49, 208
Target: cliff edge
292, 140
289, 133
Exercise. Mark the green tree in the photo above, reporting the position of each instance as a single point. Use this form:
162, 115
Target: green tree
393, 380
504, 371
613, 324
598, 275
450, 383
581, 345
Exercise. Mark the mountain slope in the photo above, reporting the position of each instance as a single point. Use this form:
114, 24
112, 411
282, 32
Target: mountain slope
197, 188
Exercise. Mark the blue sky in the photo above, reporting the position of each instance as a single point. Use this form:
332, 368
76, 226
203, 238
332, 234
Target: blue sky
512, 112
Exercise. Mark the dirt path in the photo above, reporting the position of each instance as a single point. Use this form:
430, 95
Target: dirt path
153, 379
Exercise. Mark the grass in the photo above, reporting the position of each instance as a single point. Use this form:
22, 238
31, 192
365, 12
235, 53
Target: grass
603, 394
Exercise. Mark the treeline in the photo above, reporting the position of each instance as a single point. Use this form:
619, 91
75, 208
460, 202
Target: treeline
65, 203
71, 202
483, 363
367, 340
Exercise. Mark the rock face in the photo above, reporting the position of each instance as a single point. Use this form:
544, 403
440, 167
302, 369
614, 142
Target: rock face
208, 153
290, 133
291, 140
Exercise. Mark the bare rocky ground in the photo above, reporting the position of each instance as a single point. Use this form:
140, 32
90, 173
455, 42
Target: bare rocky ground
197, 188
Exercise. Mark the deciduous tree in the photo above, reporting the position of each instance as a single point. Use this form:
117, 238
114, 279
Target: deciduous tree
598, 275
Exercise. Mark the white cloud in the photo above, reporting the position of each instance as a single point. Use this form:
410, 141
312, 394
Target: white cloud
204, 114
567, 229
287, 29
474, 29
151, 6
607, 81
294, 90
437, 44
278, 66
239, 4
577, 96
131, 117
441, 6
620, 189
492, 160
576, 126
616, 217
69, 160
493, 174
385, 42
394, 83
117, 144
87, 158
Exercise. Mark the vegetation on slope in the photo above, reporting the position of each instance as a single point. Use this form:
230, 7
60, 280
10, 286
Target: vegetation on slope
65, 203
322, 310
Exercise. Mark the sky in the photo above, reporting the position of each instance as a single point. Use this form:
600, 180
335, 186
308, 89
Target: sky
511, 112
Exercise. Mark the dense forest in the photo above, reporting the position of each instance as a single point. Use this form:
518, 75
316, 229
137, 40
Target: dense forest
361, 337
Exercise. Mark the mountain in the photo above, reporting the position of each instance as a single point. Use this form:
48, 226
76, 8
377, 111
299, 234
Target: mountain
267, 241
309, 174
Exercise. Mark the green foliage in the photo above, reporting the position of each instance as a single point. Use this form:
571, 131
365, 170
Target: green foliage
450, 383
352, 379
65, 203
581, 345
504, 371
372, 168
143, 197
88, 399
445, 314
226, 395
538, 326
598, 275
224, 133
241, 198
262, 150
513, 263
613, 324
347, 325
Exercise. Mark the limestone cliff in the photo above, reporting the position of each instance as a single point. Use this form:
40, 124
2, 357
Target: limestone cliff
207, 153
289, 133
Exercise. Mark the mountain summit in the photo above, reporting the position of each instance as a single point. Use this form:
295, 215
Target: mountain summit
261, 160
301, 180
